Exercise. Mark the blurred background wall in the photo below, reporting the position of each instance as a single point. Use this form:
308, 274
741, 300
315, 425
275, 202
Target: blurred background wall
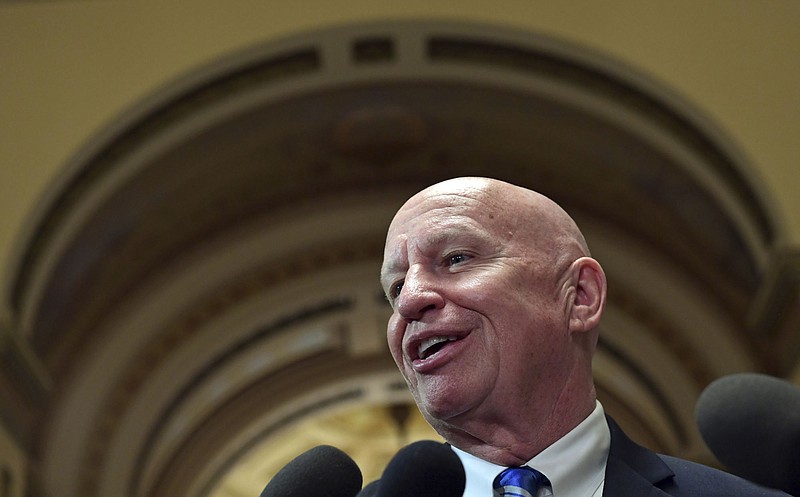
193, 199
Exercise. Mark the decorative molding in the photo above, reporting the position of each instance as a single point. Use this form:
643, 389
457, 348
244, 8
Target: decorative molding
25, 387
216, 303
477, 52
774, 321
378, 107
170, 109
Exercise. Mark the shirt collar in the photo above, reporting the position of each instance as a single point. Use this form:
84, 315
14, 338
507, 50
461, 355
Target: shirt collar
575, 464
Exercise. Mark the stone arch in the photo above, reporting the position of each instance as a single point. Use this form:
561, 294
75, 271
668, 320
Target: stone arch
202, 275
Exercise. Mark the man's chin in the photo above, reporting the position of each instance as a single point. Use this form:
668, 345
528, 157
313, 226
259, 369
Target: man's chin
440, 410
446, 398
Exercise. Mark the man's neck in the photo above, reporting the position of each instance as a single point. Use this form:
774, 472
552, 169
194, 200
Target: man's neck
512, 442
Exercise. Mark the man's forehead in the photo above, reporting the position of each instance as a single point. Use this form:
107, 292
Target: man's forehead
430, 234
443, 208
395, 258
437, 221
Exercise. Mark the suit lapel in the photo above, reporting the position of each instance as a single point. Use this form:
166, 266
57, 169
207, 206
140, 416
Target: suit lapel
633, 470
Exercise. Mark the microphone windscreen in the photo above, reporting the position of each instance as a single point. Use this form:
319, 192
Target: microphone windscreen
323, 471
751, 422
370, 490
423, 469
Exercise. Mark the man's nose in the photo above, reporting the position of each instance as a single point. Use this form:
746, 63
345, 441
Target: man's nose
420, 293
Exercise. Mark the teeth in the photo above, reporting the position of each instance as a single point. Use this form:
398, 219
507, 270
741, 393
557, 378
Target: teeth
428, 343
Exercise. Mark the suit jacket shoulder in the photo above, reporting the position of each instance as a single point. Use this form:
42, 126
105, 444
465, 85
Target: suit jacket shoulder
633, 470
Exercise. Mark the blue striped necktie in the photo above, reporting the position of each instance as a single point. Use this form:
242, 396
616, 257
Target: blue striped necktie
518, 482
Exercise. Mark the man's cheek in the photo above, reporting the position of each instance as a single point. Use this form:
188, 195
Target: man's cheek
394, 331
394, 339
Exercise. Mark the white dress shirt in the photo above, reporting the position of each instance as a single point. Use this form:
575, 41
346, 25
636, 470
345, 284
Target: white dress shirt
574, 464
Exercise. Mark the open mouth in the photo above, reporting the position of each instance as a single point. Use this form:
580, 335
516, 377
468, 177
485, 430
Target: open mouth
432, 345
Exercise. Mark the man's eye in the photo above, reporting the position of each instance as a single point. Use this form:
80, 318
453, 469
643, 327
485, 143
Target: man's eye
394, 291
454, 259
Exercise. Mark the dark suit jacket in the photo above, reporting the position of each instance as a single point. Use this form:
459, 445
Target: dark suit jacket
634, 471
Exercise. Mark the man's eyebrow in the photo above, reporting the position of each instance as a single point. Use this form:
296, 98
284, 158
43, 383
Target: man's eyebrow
456, 235
390, 268
388, 271
448, 233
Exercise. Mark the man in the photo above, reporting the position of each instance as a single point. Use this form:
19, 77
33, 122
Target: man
496, 304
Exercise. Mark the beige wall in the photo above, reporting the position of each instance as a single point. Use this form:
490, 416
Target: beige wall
71, 67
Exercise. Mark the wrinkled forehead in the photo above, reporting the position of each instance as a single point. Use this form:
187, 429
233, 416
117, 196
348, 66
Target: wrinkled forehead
459, 196
500, 209
431, 222
437, 209
436, 215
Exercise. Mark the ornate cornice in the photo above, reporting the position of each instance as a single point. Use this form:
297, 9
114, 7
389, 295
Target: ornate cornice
216, 303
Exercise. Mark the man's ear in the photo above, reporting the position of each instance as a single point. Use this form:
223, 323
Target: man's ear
590, 294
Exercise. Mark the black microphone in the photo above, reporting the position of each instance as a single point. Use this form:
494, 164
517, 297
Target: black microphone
370, 490
751, 422
421, 469
323, 471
